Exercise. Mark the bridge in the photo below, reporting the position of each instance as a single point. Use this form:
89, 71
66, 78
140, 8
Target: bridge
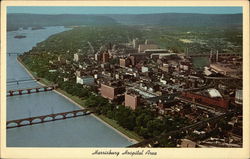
23, 80
214, 54
205, 86
30, 90
214, 110
221, 78
46, 118
19, 53
14, 53
229, 81
172, 96
154, 141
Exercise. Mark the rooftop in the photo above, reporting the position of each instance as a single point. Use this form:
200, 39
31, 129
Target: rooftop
214, 93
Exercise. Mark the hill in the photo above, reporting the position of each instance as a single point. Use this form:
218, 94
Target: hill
180, 19
15, 21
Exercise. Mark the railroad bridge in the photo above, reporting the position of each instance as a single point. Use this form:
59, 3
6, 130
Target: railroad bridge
231, 82
19, 53
46, 118
23, 80
14, 53
31, 90
213, 55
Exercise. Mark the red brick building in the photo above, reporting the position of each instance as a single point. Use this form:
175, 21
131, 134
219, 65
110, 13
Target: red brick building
102, 57
124, 62
132, 100
105, 57
132, 60
111, 92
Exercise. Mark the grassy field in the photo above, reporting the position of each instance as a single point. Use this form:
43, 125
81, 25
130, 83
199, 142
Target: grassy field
74, 98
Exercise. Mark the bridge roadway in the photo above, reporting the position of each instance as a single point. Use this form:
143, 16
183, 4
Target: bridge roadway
14, 53
200, 124
214, 54
19, 53
30, 90
221, 78
23, 80
47, 118
214, 110
172, 96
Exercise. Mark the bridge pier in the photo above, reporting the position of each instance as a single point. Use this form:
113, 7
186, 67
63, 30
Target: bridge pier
53, 117
20, 92
30, 120
11, 93
28, 91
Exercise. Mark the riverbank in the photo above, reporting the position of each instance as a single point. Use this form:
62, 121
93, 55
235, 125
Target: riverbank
130, 135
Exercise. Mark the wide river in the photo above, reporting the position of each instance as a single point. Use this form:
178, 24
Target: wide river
85, 131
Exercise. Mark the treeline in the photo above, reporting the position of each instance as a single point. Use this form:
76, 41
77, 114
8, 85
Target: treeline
143, 121
85, 38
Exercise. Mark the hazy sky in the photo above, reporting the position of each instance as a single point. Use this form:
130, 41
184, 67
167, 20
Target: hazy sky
123, 10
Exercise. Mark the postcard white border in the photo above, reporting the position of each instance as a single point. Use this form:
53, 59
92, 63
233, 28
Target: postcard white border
173, 153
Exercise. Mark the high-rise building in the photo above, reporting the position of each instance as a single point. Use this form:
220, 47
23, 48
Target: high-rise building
78, 57
98, 57
105, 57
124, 62
135, 43
143, 47
132, 60
132, 100
110, 91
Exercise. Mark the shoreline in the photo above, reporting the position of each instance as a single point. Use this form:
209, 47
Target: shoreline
133, 141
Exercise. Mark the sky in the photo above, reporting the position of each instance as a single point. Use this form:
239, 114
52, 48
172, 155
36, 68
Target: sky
122, 10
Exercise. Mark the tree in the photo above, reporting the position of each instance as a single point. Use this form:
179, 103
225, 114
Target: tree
143, 119
155, 127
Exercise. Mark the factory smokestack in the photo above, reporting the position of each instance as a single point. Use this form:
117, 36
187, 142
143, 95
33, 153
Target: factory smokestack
210, 56
217, 56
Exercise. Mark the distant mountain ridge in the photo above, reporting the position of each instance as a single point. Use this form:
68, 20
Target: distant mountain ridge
178, 19
17, 20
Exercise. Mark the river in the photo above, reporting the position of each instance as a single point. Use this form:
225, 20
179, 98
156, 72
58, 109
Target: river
85, 131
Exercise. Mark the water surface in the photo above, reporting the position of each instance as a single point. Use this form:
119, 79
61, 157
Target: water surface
85, 131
